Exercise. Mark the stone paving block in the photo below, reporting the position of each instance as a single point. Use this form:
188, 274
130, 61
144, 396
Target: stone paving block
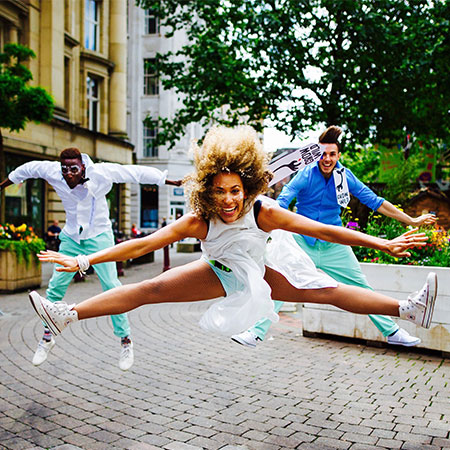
206, 443
441, 442
323, 423
414, 438
142, 446
81, 440
231, 439
66, 447
433, 432
322, 442
378, 424
359, 438
200, 431
382, 433
412, 446
181, 446
16, 443
176, 435
390, 443
402, 428
350, 428
104, 436
157, 441
292, 441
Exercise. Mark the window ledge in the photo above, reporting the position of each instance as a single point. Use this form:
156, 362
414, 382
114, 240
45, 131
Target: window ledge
96, 57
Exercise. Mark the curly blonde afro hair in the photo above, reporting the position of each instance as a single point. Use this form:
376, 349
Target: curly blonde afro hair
237, 150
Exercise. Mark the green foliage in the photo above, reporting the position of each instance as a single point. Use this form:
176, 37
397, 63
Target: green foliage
20, 102
364, 162
435, 253
401, 179
375, 67
21, 240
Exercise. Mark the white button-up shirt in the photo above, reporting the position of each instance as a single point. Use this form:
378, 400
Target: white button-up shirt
87, 212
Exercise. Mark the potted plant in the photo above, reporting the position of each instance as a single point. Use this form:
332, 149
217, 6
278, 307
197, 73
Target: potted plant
19, 266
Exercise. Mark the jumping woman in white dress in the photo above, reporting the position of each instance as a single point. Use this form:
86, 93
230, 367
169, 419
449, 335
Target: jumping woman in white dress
234, 227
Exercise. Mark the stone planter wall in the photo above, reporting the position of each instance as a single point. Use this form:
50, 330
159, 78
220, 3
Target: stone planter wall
188, 246
396, 281
15, 276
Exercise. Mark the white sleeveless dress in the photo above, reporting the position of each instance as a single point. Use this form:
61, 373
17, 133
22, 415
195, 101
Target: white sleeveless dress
241, 246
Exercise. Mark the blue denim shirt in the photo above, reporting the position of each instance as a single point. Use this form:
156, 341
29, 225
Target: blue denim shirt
316, 196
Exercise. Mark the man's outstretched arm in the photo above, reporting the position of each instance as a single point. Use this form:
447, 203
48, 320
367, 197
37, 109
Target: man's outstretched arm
388, 209
5, 183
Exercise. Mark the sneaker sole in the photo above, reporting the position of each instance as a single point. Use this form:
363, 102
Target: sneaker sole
406, 344
432, 294
48, 351
242, 342
42, 313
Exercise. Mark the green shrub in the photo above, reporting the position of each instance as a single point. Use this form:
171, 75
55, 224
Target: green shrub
435, 253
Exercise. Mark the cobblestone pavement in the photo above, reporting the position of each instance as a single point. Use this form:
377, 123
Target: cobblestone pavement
190, 390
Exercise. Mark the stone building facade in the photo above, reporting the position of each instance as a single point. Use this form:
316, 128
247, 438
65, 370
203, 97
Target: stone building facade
147, 98
81, 49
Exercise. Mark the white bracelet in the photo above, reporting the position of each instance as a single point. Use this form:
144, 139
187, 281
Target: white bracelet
83, 263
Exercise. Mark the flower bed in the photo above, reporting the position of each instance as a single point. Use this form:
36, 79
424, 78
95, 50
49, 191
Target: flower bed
22, 241
19, 267
435, 253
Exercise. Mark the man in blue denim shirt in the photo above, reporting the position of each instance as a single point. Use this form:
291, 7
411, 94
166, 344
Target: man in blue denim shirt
316, 193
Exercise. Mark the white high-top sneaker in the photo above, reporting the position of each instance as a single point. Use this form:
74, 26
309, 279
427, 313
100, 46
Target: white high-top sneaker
246, 338
55, 315
420, 305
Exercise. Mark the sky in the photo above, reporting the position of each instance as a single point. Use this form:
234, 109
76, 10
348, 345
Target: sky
274, 139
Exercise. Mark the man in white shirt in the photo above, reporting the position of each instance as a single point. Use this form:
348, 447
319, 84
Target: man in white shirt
82, 187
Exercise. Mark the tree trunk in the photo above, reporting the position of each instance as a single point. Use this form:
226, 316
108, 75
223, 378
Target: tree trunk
2, 177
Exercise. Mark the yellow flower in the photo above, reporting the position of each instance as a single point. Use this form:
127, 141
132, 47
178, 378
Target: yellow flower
22, 228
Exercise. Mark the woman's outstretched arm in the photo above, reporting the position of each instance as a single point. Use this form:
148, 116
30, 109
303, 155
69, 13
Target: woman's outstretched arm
186, 226
273, 217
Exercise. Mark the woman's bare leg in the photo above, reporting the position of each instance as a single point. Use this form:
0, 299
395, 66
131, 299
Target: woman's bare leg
349, 298
190, 282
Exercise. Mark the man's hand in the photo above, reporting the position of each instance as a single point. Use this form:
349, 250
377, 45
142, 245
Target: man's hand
425, 219
398, 246
174, 182
70, 264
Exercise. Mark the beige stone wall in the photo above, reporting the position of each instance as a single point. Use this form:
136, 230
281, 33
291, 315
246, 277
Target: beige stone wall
55, 29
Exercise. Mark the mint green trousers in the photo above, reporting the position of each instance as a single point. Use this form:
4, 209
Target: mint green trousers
340, 263
106, 272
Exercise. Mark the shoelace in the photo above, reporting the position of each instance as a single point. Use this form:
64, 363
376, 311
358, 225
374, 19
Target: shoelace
126, 350
415, 301
61, 307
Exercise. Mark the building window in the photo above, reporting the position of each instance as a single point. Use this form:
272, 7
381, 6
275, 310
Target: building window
67, 81
150, 135
92, 25
25, 202
151, 81
93, 102
151, 22
149, 206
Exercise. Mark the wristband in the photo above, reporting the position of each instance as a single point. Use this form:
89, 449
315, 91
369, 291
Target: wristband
83, 263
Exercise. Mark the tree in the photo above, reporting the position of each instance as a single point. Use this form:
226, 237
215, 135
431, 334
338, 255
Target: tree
19, 102
379, 68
